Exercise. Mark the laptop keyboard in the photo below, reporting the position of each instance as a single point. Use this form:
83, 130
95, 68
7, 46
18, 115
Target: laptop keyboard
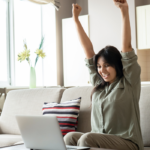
69, 147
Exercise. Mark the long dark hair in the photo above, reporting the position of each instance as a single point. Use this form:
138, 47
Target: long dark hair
112, 56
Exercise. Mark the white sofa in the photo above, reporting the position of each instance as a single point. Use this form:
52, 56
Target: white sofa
30, 102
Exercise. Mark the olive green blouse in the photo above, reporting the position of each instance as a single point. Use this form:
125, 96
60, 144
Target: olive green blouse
115, 109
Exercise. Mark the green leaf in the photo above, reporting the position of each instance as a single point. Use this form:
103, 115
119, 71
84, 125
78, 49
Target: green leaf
37, 57
41, 44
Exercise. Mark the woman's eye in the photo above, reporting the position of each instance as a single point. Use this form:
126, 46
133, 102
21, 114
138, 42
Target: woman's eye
98, 66
107, 65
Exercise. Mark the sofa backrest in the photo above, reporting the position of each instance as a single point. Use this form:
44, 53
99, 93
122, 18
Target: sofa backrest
145, 114
25, 102
84, 121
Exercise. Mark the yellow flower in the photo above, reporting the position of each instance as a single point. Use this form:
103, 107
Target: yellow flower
24, 55
40, 53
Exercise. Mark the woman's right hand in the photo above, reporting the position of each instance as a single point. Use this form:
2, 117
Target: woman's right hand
76, 9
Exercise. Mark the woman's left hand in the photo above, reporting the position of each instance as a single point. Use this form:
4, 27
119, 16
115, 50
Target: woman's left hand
122, 4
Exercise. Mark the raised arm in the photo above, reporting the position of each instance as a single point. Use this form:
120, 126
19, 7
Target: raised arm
126, 29
84, 39
131, 68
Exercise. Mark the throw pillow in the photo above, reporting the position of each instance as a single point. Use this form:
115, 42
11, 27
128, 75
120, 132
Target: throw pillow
66, 112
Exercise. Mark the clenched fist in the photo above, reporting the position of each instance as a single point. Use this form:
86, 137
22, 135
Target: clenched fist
122, 4
76, 9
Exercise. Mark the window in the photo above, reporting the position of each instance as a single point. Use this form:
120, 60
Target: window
4, 44
21, 19
31, 22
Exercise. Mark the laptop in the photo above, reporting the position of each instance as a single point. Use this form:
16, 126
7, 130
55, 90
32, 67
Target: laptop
42, 133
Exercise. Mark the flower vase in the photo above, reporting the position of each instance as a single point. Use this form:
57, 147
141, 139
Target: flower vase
32, 78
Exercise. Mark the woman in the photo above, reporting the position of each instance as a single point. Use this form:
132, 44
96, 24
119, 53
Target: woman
115, 118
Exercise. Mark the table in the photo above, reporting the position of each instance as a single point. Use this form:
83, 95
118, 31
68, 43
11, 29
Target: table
22, 147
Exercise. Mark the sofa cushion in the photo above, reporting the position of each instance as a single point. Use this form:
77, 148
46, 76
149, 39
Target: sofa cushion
66, 112
8, 140
84, 120
25, 102
145, 114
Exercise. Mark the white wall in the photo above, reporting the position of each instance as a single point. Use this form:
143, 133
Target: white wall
105, 23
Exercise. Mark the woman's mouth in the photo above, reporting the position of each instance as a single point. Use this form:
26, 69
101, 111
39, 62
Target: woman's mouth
105, 76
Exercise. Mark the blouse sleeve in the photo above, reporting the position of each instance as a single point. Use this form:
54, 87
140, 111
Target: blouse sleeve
131, 68
95, 80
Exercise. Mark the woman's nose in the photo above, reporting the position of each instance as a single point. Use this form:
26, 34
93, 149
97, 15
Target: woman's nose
102, 69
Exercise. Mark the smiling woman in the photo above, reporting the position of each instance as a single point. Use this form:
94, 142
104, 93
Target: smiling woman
115, 119
108, 68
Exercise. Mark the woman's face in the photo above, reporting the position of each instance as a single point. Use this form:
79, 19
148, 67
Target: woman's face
107, 72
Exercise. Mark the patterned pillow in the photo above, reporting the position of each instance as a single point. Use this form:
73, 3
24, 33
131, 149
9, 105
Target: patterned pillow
66, 112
